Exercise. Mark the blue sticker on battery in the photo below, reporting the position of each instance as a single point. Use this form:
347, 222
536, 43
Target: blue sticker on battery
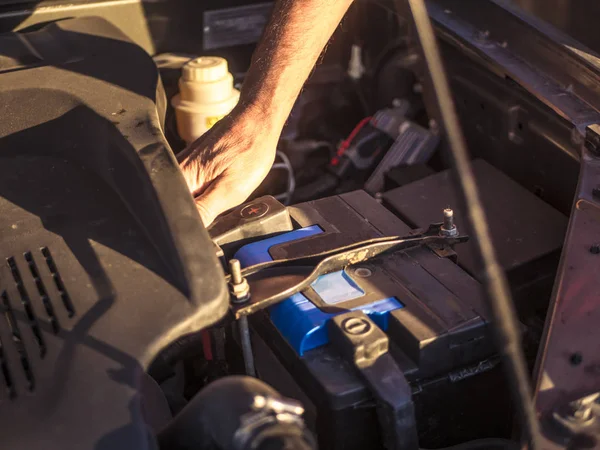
299, 320
258, 252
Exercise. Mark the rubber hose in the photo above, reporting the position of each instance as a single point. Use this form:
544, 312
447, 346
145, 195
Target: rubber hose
290, 442
217, 412
485, 444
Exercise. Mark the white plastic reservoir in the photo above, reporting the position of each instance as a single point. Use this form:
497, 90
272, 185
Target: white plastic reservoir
206, 95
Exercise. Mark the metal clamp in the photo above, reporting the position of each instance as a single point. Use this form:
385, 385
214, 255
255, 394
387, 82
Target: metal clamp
267, 413
274, 281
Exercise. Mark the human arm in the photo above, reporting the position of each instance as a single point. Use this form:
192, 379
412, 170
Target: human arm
227, 164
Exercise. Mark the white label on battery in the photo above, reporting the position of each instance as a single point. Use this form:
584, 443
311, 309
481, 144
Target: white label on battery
336, 287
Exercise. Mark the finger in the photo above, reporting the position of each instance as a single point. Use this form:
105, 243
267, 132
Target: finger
218, 197
195, 176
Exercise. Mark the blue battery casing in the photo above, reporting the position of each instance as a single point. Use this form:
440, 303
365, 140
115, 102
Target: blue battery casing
300, 321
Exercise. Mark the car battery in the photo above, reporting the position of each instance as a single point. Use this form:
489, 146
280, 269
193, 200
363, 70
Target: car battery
431, 310
527, 233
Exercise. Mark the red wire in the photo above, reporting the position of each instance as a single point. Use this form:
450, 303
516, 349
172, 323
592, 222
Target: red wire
207, 345
346, 143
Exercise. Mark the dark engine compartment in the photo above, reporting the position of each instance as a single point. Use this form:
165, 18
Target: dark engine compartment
118, 329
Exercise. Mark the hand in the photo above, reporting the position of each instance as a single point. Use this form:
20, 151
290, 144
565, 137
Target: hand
225, 165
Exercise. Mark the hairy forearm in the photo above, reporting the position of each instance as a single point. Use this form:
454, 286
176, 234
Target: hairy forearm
292, 42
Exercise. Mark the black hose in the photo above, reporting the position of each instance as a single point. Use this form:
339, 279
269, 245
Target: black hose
237, 413
287, 443
505, 324
485, 444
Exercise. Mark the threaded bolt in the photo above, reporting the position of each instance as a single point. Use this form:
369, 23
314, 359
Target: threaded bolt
235, 268
448, 227
240, 289
448, 219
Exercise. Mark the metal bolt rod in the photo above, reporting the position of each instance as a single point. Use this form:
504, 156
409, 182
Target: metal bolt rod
235, 269
247, 346
448, 219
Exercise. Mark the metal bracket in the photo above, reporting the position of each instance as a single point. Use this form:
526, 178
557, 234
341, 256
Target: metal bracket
568, 366
274, 281
366, 346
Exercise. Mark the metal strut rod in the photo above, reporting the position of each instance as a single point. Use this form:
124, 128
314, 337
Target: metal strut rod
500, 301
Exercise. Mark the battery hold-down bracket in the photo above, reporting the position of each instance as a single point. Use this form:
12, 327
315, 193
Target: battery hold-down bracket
363, 344
272, 282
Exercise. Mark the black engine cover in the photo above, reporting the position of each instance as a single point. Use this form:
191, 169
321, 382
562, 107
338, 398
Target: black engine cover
104, 260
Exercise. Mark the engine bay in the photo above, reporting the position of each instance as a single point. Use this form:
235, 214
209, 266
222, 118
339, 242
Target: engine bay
345, 304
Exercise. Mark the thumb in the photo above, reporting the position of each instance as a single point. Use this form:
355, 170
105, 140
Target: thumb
218, 197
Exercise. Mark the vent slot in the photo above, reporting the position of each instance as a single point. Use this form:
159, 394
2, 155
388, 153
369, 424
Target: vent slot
64, 295
4, 370
37, 333
43, 292
9, 316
